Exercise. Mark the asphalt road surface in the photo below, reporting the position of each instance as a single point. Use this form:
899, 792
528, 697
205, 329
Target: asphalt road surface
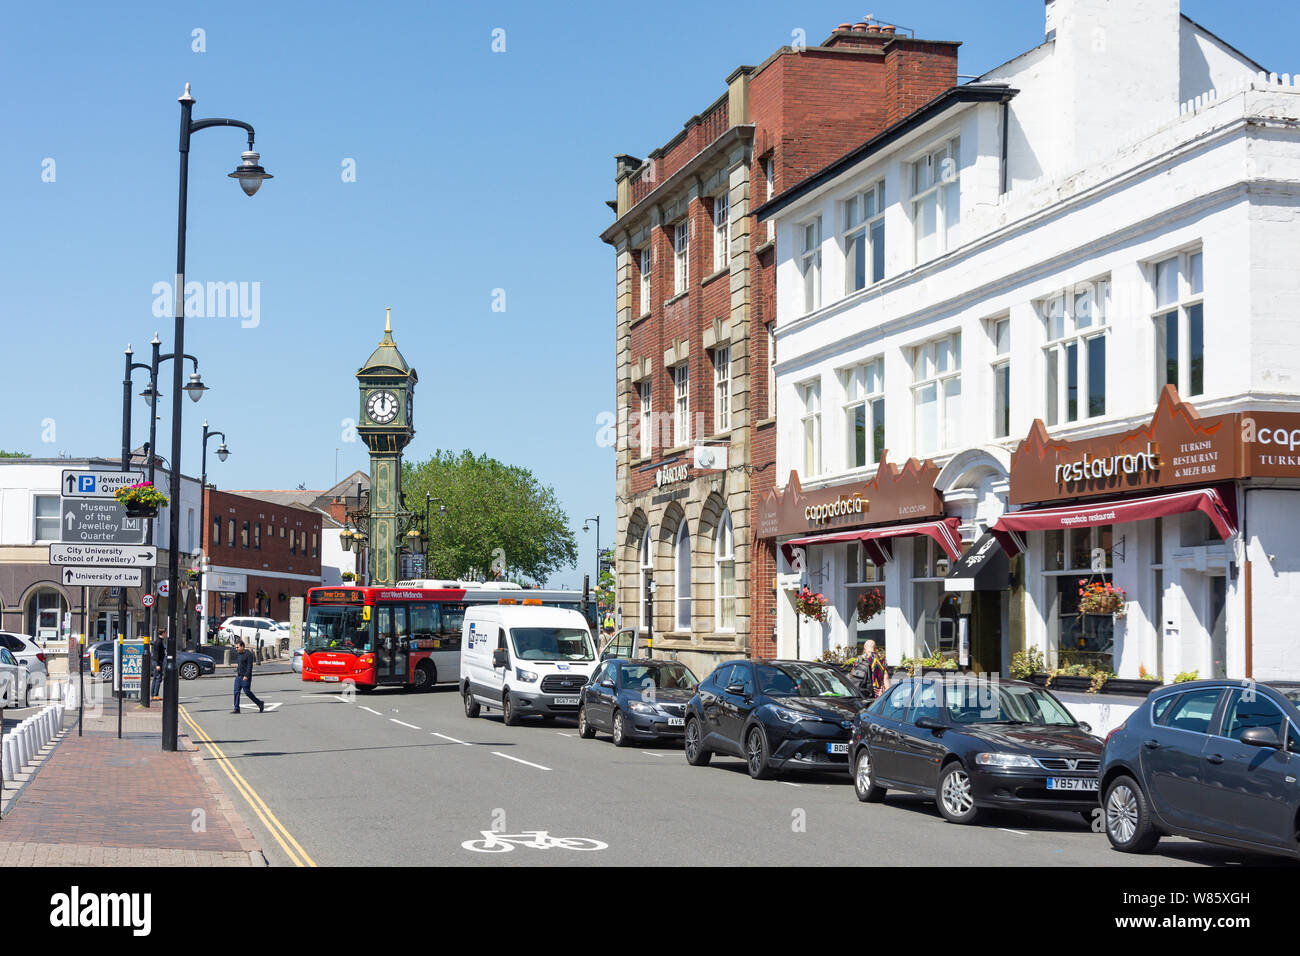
402, 778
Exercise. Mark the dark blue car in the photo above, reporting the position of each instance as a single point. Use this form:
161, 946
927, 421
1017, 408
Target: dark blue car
637, 699
1213, 760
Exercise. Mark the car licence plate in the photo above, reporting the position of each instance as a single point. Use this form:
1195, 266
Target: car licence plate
567, 701
1072, 783
837, 748
676, 721
330, 677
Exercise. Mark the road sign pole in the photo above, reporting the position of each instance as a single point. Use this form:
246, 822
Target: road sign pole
121, 685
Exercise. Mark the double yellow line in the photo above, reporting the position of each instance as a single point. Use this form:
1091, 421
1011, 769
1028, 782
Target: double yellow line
277, 829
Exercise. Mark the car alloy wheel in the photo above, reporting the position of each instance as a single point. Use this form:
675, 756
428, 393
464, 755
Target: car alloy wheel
863, 783
189, 670
1128, 819
585, 730
620, 732
696, 755
756, 754
956, 801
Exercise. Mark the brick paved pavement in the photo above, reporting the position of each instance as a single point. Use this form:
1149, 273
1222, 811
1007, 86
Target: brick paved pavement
100, 801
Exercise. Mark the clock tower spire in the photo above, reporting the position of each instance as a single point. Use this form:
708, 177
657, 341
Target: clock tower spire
387, 387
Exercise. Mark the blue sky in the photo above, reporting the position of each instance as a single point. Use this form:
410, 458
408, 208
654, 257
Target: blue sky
475, 171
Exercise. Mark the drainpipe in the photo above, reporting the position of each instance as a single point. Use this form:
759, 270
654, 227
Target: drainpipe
1006, 113
1249, 628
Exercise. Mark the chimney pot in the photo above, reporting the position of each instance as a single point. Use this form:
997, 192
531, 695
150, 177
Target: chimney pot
873, 28
843, 26
887, 29
860, 27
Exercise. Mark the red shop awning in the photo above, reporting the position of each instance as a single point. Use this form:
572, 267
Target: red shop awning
878, 541
1011, 527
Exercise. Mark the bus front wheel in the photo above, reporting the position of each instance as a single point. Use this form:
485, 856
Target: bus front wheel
424, 677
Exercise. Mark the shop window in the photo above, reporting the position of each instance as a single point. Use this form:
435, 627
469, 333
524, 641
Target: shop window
1072, 556
934, 610
865, 588
645, 571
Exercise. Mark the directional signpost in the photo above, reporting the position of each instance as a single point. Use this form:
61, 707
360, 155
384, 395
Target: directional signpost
104, 555
103, 577
97, 521
97, 484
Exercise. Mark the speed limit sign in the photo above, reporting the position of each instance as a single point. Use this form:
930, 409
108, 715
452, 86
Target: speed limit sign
147, 600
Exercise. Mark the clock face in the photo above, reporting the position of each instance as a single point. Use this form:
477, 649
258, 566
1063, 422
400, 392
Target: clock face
381, 406
410, 407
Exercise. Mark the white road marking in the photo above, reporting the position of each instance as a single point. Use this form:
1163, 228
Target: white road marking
1016, 832
788, 783
452, 739
403, 723
336, 697
375, 712
270, 706
497, 753
563, 734
651, 753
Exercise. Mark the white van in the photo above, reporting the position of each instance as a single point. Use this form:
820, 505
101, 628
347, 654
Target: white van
524, 659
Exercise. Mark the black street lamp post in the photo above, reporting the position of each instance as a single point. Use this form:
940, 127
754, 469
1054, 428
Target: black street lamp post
250, 175
585, 527
222, 453
126, 466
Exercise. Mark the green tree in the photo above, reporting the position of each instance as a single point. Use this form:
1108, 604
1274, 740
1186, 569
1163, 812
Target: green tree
501, 522
13, 454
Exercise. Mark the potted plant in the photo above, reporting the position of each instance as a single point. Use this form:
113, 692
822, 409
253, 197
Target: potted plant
142, 500
348, 576
810, 605
1029, 665
1100, 597
870, 603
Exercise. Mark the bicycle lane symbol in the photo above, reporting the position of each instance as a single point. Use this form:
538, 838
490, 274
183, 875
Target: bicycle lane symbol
532, 839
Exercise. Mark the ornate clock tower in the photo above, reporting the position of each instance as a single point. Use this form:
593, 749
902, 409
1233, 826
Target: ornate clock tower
387, 386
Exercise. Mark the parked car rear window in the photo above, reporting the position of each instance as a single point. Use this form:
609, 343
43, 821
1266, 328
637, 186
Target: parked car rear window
1194, 710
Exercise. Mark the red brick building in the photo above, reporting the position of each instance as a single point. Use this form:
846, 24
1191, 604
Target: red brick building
694, 310
259, 554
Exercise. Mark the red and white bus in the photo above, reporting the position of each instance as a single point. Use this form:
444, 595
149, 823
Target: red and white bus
407, 635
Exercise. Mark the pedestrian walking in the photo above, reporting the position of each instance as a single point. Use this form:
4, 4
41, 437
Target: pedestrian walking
870, 671
157, 649
244, 676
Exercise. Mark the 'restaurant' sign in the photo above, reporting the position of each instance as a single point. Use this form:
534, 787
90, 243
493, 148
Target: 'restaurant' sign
1177, 448
894, 494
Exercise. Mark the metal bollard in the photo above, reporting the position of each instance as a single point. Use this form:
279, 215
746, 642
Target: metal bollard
21, 744
7, 758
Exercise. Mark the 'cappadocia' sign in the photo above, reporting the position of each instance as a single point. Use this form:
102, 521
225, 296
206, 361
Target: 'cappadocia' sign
894, 494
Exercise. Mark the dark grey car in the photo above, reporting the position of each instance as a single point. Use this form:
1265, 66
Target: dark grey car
1213, 760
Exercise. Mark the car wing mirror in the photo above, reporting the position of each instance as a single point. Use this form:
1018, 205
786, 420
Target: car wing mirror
1261, 737
736, 689
1085, 726
607, 683
499, 658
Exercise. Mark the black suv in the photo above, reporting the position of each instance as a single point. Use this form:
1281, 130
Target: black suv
1213, 760
777, 715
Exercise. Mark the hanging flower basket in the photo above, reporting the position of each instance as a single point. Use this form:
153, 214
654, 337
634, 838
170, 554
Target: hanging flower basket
1100, 597
870, 603
142, 500
810, 605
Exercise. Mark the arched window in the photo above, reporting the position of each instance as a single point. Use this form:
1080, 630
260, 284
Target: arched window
646, 570
683, 576
724, 576
44, 612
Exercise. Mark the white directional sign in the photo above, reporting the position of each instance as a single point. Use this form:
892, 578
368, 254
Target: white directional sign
93, 521
96, 484
103, 577
105, 555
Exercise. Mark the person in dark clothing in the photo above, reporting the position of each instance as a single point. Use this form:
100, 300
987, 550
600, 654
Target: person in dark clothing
157, 650
244, 677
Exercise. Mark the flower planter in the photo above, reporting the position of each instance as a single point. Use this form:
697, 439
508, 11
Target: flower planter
1132, 686
141, 511
1040, 679
1070, 682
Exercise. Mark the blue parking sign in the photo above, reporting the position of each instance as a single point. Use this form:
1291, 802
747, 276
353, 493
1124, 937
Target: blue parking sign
86, 483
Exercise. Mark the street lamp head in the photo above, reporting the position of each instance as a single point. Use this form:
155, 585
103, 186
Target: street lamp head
150, 394
223, 452
196, 388
249, 173
586, 527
